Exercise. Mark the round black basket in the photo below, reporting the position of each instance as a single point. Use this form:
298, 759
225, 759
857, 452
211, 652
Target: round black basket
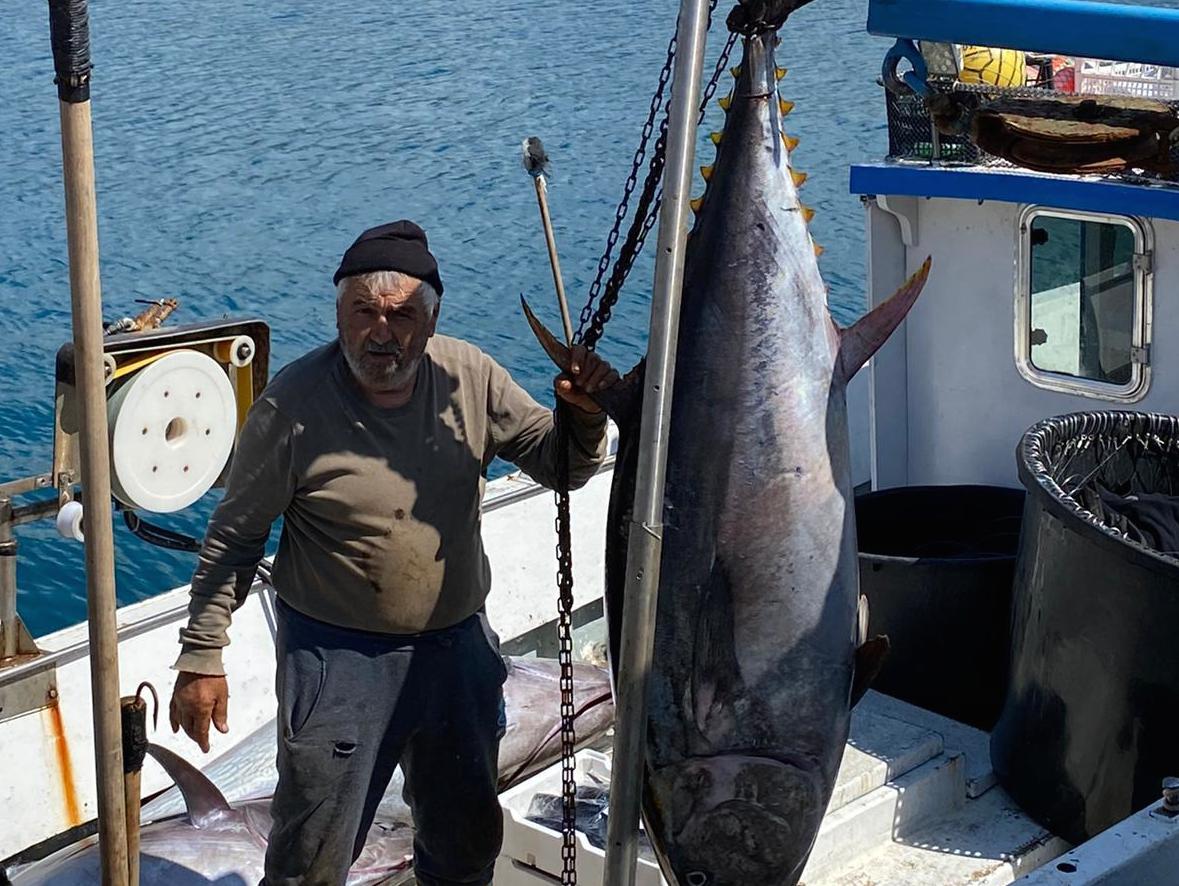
1090, 722
936, 564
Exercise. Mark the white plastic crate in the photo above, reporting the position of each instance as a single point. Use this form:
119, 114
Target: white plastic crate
1094, 76
531, 854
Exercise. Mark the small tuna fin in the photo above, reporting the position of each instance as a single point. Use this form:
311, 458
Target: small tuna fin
864, 337
716, 137
785, 107
799, 178
789, 141
205, 803
620, 402
779, 73
716, 676
706, 173
869, 660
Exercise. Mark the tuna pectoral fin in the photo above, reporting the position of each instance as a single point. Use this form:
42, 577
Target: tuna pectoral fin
205, 803
620, 402
864, 337
716, 677
869, 660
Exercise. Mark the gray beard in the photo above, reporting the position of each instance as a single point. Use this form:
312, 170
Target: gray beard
379, 375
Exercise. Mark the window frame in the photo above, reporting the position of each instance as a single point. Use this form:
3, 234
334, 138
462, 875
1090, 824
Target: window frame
1139, 384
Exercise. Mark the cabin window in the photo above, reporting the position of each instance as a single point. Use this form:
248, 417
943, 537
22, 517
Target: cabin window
1083, 303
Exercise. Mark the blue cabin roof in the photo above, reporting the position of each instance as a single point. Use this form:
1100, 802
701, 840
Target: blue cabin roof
1016, 186
1112, 31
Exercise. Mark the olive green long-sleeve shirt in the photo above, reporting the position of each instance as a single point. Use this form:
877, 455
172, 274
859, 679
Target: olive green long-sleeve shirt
381, 507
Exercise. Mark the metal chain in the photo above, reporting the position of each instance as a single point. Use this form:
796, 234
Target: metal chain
623, 205
653, 215
591, 324
565, 655
646, 213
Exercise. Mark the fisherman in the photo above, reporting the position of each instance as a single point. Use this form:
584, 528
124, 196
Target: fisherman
374, 450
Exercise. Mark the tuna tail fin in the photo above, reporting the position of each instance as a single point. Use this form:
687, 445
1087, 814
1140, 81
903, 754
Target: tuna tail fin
757, 16
619, 402
864, 337
205, 803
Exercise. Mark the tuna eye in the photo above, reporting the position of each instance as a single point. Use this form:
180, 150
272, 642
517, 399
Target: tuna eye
697, 878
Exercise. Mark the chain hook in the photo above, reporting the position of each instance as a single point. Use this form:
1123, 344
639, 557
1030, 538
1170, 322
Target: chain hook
910, 82
155, 716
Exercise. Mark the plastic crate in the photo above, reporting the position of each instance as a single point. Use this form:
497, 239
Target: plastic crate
531, 853
1094, 76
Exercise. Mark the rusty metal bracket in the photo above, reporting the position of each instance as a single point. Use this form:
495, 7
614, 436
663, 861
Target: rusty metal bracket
28, 484
30, 690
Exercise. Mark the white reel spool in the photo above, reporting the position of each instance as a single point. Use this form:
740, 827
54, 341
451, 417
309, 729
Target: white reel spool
172, 427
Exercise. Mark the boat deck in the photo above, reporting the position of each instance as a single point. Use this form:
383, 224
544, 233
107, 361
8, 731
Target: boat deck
916, 802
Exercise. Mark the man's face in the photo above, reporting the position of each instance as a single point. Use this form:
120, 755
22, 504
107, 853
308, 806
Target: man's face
383, 334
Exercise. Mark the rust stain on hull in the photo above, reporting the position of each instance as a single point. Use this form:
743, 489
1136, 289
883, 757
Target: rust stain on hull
55, 735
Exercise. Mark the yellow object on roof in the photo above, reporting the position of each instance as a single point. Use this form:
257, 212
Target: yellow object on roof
993, 67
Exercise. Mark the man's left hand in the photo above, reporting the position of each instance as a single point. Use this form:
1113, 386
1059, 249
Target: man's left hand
588, 374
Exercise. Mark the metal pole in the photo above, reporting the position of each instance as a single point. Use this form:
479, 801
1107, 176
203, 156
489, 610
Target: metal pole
646, 529
551, 243
135, 743
9, 630
69, 31
536, 161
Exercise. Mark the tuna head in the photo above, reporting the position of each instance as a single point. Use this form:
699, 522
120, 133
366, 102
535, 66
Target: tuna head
736, 820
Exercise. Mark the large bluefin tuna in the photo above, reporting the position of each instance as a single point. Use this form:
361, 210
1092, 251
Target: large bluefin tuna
213, 826
756, 630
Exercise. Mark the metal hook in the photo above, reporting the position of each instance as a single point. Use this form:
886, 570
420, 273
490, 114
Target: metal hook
155, 716
913, 81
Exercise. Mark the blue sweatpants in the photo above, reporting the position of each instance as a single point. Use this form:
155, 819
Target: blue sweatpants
352, 705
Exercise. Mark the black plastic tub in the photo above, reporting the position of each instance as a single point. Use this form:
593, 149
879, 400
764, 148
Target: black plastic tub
1091, 720
936, 564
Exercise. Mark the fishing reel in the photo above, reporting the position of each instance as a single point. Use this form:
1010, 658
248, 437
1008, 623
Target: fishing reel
176, 400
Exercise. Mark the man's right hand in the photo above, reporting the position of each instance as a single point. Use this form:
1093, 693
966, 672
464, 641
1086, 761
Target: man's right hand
197, 699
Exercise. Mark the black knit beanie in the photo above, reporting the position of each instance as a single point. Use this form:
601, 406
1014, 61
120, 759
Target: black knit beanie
397, 246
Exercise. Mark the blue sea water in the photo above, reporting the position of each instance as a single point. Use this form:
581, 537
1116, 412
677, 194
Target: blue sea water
240, 147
